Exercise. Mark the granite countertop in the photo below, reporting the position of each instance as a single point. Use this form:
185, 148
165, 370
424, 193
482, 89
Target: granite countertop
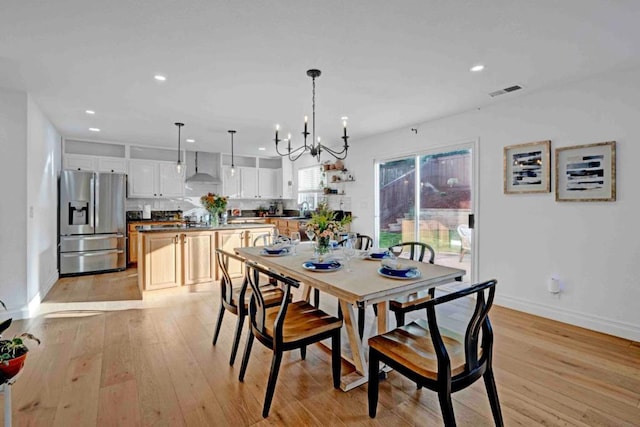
183, 228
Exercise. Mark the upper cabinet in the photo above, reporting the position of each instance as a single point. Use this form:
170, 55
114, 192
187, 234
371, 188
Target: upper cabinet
230, 183
150, 179
94, 156
256, 178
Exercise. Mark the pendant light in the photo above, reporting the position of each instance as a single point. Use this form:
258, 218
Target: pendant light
233, 167
179, 163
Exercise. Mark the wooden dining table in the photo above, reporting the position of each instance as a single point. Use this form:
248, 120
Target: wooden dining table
361, 286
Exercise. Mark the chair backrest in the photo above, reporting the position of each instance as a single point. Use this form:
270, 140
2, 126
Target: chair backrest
465, 236
257, 308
416, 251
267, 239
363, 242
226, 284
479, 322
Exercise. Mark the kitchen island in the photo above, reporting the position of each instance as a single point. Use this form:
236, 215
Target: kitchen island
177, 255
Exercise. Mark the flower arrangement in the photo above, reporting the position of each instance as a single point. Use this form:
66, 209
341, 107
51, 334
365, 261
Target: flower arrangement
324, 225
213, 202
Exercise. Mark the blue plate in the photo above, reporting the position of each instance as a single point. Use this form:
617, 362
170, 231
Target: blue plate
378, 255
322, 266
407, 274
282, 252
275, 251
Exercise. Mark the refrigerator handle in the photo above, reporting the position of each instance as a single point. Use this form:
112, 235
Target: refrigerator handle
92, 214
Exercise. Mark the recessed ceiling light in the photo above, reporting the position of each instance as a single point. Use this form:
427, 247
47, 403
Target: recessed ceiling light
94, 129
191, 140
477, 68
262, 149
159, 78
90, 112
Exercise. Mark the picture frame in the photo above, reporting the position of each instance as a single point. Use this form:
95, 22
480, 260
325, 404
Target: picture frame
527, 168
586, 173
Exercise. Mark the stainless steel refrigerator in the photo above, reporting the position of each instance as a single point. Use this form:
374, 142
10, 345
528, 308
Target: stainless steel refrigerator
92, 222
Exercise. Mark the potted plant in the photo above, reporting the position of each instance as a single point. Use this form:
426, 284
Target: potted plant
13, 352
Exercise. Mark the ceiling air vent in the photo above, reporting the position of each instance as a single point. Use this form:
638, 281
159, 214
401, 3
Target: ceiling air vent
505, 90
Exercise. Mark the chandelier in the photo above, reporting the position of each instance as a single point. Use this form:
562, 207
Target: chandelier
315, 148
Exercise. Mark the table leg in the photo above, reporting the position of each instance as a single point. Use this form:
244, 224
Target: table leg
306, 293
383, 317
359, 377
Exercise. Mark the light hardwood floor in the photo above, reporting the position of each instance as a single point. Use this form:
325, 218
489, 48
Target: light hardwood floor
131, 361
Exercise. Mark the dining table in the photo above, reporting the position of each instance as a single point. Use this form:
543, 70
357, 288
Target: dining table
355, 284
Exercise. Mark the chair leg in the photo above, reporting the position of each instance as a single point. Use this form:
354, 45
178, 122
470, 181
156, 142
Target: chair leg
303, 352
218, 324
447, 408
493, 397
245, 357
316, 297
271, 384
361, 311
374, 382
236, 339
399, 317
336, 358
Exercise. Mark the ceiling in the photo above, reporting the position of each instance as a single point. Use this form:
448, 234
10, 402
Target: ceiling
242, 64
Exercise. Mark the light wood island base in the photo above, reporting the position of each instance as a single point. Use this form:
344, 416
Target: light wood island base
176, 256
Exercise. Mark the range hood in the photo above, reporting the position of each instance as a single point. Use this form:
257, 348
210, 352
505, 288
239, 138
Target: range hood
202, 176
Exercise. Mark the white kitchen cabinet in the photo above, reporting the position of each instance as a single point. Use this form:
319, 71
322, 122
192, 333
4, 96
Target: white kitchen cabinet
152, 179
170, 182
230, 183
248, 182
80, 162
115, 165
268, 183
287, 179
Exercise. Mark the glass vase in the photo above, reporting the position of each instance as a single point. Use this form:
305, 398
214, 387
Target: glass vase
322, 247
214, 218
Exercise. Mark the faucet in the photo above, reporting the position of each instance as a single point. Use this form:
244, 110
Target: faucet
304, 208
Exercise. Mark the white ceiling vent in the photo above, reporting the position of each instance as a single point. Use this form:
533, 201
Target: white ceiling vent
505, 90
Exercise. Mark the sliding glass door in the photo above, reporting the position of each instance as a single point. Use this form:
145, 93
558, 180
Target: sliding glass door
428, 197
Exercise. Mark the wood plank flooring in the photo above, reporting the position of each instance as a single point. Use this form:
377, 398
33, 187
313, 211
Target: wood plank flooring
110, 358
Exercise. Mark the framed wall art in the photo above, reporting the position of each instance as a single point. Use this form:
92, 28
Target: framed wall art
586, 173
527, 168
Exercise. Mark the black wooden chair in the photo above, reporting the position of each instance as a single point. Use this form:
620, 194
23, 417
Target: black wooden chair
235, 298
287, 327
415, 251
437, 360
363, 242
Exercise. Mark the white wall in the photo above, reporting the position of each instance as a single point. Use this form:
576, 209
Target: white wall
594, 248
43, 166
13, 194
28, 181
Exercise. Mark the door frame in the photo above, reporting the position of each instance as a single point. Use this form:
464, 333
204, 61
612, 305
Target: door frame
470, 144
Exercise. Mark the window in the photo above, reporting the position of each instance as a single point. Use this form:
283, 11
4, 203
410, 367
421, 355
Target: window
310, 185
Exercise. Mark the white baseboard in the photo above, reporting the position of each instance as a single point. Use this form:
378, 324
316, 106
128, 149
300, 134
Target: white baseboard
596, 323
34, 305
